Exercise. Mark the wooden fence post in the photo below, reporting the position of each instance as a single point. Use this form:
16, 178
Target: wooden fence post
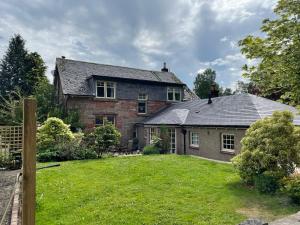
29, 161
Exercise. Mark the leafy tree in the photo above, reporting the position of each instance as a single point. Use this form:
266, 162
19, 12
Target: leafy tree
227, 91
106, 137
270, 147
20, 69
249, 87
45, 96
277, 73
11, 109
203, 83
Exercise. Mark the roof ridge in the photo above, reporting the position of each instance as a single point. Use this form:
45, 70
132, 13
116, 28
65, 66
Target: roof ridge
102, 64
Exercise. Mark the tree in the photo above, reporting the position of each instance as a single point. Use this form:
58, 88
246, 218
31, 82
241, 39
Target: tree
106, 137
277, 73
249, 87
45, 96
226, 92
271, 145
20, 69
11, 109
203, 83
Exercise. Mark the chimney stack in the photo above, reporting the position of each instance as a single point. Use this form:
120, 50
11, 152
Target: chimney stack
63, 57
214, 92
165, 69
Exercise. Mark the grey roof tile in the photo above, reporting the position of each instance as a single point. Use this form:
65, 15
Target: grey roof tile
233, 110
74, 75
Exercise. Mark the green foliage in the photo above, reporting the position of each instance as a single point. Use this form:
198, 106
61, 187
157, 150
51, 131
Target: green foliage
270, 145
71, 117
11, 109
278, 54
267, 183
291, 186
20, 69
51, 133
106, 137
6, 159
45, 96
150, 150
249, 87
203, 83
165, 140
226, 92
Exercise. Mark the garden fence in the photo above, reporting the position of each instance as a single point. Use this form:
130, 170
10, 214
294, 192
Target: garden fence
10, 139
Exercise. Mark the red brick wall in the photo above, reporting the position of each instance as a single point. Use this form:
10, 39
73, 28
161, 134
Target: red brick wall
124, 110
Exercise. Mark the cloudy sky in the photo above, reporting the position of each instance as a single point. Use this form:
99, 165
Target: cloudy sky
189, 35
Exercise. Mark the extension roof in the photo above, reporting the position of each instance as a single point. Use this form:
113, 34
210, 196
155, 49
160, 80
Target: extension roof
74, 75
239, 110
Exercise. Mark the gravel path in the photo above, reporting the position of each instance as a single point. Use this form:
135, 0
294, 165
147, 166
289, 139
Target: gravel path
7, 182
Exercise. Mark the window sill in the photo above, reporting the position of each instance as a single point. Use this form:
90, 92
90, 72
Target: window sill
194, 147
105, 99
142, 114
227, 151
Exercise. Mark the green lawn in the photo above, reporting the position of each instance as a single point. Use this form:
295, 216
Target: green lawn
162, 189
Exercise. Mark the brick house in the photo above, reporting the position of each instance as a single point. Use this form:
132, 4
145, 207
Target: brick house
139, 102
121, 95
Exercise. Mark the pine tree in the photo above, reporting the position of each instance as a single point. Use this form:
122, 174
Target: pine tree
19, 69
13, 66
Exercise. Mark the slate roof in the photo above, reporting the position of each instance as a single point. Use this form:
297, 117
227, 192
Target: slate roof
239, 110
74, 75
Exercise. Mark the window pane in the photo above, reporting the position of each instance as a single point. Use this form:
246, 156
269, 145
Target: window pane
100, 84
111, 119
170, 94
142, 107
99, 120
110, 92
177, 94
100, 92
142, 97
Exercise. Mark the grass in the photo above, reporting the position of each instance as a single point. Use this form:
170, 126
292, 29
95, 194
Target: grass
160, 189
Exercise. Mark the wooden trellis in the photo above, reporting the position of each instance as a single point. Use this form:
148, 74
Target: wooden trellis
10, 138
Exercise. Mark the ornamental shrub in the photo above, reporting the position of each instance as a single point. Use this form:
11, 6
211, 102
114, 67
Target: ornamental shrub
150, 150
270, 145
50, 135
105, 138
291, 186
267, 183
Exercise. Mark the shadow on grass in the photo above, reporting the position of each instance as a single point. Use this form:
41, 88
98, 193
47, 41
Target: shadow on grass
264, 206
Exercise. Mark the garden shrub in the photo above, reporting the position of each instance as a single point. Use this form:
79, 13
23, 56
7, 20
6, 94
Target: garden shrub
53, 133
106, 138
291, 186
150, 150
6, 160
267, 183
270, 145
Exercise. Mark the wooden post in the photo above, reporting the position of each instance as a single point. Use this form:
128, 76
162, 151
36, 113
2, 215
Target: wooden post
29, 161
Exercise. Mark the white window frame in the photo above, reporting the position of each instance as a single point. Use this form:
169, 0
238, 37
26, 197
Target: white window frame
105, 118
196, 145
229, 150
172, 131
143, 100
153, 131
173, 90
105, 89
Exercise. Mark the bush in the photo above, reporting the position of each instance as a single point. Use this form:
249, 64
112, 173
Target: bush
150, 150
270, 145
291, 186
105, 138
52, 137
6, 160
267, 183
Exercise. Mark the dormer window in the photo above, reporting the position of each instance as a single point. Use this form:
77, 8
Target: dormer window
174, 94
105, 89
